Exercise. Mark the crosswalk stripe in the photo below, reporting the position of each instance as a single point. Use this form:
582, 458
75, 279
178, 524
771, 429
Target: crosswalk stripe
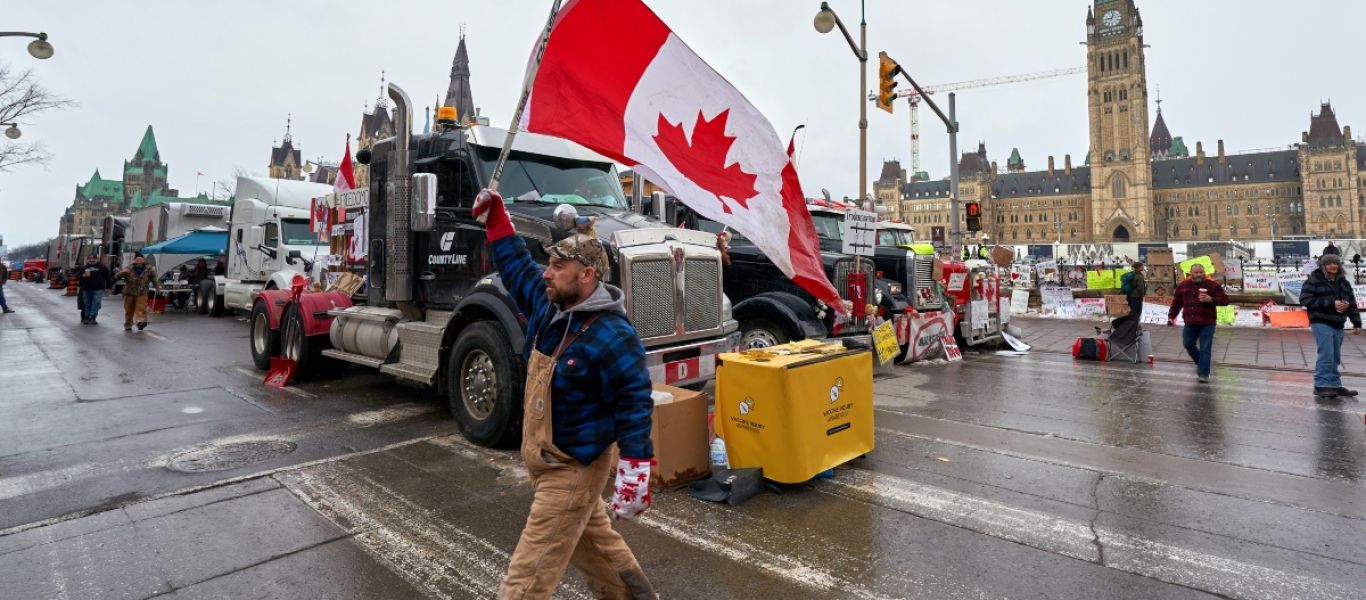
1080, 540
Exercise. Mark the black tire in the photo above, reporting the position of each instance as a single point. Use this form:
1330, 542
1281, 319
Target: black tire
762, 333
305, 351
202, 297
215, 301
264, 342
482, 359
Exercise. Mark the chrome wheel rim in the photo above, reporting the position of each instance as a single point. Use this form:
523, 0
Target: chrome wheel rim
260, 334
478, 384
758, 338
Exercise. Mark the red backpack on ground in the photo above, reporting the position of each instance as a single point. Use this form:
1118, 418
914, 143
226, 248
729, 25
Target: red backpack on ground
1089, 348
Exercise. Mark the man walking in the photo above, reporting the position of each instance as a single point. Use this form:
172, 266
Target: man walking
135, 281
93, 278
4, 278
1328, 296
586, 361
1197, 297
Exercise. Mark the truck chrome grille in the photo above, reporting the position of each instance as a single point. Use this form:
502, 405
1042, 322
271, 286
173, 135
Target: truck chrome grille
702, 294
652, 298
843, 268
924, 295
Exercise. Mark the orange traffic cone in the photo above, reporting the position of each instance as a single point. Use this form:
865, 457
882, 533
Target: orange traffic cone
70, 287
55, 282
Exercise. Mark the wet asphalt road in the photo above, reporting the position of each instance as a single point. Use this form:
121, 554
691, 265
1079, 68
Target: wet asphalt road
135, 465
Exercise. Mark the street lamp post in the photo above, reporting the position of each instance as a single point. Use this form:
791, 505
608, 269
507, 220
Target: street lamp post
40, 48
12, 132
826, 20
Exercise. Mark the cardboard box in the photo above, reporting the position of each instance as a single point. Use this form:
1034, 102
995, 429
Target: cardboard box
678, 430
1161, 257
793, 411
937, 274
1116, 305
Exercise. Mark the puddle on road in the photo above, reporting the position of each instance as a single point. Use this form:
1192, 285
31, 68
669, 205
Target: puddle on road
232, 455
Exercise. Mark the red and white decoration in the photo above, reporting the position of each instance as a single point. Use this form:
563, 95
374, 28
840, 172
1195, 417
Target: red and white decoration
615, 79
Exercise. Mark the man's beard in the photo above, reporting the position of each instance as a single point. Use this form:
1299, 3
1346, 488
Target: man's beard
563, 295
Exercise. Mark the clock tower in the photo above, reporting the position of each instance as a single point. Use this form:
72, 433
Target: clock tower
1117, 100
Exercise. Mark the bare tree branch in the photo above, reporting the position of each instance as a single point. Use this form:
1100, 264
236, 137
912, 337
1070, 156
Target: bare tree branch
21, 97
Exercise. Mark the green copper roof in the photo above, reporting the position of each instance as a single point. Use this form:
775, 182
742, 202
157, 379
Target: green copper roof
1178, 148
148, 147
98, 186
1088, 158
1014, 157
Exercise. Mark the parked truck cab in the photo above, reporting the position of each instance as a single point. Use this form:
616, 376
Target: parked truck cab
269, 242
435, 311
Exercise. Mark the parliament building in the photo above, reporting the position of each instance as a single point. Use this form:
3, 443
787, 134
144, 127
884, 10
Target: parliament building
1137, 182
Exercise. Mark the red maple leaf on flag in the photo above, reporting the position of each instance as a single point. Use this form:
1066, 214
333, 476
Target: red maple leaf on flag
703, 160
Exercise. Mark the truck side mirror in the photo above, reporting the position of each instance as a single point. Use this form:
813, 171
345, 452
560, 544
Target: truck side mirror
424, 202
293, 256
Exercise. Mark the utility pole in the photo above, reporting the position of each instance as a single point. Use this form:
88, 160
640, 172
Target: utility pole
956, 233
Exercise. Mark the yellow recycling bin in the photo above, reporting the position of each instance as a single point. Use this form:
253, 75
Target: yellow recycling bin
795, 410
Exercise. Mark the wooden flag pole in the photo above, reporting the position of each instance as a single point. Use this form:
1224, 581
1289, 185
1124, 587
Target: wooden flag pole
521, 102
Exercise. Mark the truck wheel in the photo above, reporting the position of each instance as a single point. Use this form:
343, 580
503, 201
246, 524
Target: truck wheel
202, 298
485, 386
762, 333
264, 342
216, 308
305, 351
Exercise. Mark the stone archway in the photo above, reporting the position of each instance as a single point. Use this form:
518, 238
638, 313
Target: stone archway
1121, 234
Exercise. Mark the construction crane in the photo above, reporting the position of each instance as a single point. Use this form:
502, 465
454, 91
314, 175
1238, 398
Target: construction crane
913, 98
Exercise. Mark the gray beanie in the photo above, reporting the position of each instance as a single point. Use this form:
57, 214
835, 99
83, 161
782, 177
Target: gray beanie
1330, 258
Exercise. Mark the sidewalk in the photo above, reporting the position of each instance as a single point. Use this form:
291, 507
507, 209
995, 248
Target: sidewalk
1291, 349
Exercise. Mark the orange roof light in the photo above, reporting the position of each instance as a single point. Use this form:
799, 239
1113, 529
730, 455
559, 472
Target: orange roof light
446, 113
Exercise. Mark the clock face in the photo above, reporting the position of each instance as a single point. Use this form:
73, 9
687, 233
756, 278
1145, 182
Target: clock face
1111, 18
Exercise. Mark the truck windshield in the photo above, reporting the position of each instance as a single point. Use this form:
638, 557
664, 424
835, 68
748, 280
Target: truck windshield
828, 227
894, 237
295, 232
533, 178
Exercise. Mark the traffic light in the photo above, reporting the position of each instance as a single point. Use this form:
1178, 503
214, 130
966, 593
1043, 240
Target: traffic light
974, 216
887, 70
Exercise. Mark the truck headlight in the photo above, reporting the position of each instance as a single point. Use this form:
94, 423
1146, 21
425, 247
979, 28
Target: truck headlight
894, 288
725, 308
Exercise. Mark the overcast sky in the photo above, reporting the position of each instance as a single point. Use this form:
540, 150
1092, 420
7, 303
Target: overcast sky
216, 79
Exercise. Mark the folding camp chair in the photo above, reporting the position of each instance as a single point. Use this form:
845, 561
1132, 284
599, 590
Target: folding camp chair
1128, 341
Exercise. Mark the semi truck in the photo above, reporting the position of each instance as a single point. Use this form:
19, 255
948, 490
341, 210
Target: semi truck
269, 243
434, 310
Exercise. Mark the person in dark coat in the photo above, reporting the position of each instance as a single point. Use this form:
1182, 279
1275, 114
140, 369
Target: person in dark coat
1332, 249
1196, 297
92, 279
1327, 294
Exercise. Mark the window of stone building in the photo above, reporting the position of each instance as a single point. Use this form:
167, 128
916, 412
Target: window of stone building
1176, 230
1318, 166
1195, 229
1233, 229
1118, 187
1252, 228
1126, 59
1123, 94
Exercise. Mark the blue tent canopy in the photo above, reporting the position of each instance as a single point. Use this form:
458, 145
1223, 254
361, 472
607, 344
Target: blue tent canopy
194, 242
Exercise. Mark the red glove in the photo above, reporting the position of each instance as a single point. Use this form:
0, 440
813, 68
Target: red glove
489, 210
632, 495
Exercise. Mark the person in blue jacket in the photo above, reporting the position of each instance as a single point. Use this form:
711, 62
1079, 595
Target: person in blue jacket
586, 361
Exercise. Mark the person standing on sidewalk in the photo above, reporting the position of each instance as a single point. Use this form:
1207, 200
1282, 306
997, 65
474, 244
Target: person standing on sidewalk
1327, 294
136, 279
1138, 288
1197, 297
587, 396
93, 278
4, 278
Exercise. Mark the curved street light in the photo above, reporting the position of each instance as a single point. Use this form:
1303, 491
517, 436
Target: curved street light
13, 131
40, 48
825, 21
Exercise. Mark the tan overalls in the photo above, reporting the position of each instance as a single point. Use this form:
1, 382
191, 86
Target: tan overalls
568, 520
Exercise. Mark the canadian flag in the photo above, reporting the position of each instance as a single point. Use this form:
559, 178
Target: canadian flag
615, 79
346, 177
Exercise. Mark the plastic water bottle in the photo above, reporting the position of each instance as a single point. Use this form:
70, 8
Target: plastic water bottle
719, 459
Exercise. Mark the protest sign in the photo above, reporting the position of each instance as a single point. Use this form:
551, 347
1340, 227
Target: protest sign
1090, 307
1248, 318
1225, 315
1154, 314
1290, 285
1019, 301
1260, 282
1103, 279
1205, 261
